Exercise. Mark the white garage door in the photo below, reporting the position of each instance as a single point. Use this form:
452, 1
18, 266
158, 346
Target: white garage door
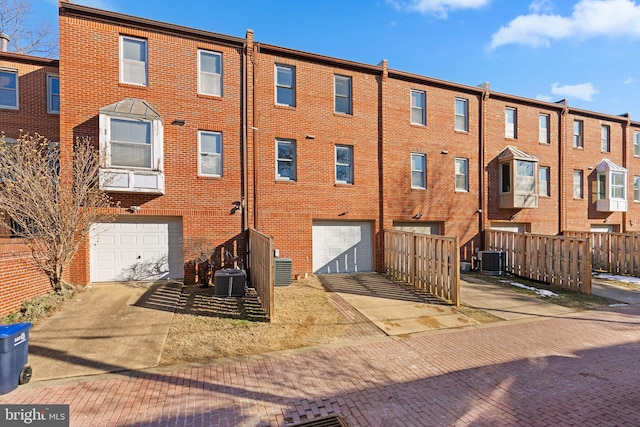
512, 227
136, 248
342, 247
418, 227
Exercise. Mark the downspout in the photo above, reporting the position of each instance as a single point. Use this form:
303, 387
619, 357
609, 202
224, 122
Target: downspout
245, 151
482, 193
625, 162
256, 135
562, 142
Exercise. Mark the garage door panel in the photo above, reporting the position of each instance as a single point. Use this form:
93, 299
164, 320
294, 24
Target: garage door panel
141, 248
342, 247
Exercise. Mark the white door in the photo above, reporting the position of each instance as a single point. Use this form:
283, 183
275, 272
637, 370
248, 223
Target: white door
418, 227
342, 247
136, 248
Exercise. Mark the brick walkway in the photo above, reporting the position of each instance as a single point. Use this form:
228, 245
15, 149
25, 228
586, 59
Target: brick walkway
581, 370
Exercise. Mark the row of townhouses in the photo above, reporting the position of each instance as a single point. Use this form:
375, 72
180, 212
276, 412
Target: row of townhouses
205, 135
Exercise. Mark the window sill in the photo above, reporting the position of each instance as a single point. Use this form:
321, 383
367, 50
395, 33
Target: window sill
212, 177
419, 188
212, 97
133, 86
343, 185
285, 181
462, 132
418, 125
8, 107
578, 148
346, 115
285, 107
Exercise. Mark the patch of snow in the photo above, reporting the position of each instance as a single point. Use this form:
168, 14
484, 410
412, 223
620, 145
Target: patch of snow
542, 292
625, 279
618, 305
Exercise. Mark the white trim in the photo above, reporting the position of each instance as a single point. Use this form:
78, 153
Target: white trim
123, 60
201, 73
50, 110
220, 154
17, 89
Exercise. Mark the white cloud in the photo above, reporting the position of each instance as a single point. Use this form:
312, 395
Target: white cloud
590, 18
545, 98
630, 80
541, 6
439, 8
584, 91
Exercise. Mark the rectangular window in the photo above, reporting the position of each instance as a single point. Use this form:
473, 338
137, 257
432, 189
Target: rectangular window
462, 175
9, 89
525, 177
342, 94
344, 164
505, 177
578, 136
543, 129
418, 107
636, 188
636, 143
285, 160
605, 132
53, 94
617, 185
462, 115
133, 61
210, 153
209, 73
418, 170
510, 122
545, 185
285, 85
130, 143
577, 184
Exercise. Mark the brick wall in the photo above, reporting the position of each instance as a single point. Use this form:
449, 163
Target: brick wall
19, 280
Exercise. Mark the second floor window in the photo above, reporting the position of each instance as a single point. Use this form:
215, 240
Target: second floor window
545, 187
210, 153
342, 87
578, 136
286, 160
462, 174
344, 164
510, 123
543, 129
461, 115
209, 73
636, 143
285, 85
9, 89
53, 94
131, 143
577, 184
636, 188
418, 170
418, 107
133, 61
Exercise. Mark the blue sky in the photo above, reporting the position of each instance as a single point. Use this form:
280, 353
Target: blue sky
583, 50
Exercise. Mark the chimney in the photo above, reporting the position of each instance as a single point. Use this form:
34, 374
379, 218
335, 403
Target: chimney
4, 41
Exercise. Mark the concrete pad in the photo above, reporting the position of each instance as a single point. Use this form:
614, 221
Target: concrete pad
396, 317
507, 304
615, 292
104, 328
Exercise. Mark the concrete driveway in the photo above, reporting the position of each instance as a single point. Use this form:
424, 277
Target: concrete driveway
104, 328
395, 308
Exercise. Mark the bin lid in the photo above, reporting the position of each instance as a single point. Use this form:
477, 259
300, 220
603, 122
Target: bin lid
7, 331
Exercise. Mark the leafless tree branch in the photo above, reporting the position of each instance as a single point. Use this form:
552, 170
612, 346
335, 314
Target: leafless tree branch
26, 35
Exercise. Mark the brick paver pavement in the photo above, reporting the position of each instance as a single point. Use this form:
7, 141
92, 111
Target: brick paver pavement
582, 370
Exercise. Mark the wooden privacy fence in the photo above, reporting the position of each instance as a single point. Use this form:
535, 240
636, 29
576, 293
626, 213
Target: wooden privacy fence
426, 261
616, 253
561, 261
261, 272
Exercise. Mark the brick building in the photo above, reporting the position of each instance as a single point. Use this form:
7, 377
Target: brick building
206, 135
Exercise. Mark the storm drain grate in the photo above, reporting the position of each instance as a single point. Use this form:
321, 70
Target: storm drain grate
329, 421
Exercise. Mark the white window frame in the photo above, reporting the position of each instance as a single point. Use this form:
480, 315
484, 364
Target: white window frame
419, 110
545, 184
461, 116
464, 173
338, 164
510, 123
578, 134
348, 97
636, 188
51, 94
157, 132
544, 122
578, 177
292, 160
422, 171
208, 74
218, 156
124, 62
16, 90
636, 144
280, 85
605, 138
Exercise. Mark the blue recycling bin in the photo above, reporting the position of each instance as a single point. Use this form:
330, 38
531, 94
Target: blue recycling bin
14, 351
